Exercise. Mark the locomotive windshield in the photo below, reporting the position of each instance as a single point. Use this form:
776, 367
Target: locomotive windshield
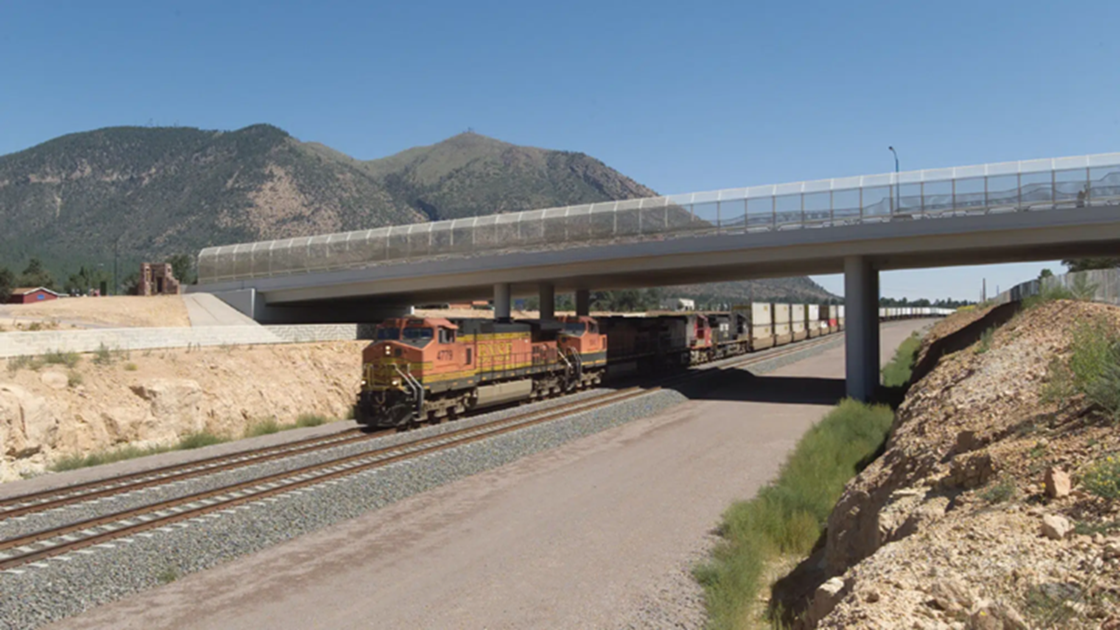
417, 334
574, 328
388, 334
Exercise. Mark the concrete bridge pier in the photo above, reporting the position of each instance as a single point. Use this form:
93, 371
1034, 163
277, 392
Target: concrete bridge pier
583, 302
548, 300
502, 301
861, 341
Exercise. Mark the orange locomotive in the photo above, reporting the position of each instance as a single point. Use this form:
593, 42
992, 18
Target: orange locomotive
428, 369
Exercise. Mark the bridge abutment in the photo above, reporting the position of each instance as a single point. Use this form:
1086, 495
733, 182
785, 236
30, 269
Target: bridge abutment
861, 342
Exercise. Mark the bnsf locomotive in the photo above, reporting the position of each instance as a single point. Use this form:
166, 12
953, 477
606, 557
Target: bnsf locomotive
428, 369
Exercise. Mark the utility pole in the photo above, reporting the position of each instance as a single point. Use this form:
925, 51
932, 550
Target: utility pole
897, 188
116, 248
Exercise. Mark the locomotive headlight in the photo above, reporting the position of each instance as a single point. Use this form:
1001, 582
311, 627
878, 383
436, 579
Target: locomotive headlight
387, 350
396, 382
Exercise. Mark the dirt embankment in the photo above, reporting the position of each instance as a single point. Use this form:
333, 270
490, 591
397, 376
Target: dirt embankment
155, 397
121, 311
977, 515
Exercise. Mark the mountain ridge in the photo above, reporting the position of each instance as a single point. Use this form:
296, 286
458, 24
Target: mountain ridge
145, 193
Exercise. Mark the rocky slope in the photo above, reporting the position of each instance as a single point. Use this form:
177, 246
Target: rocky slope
976, 515
156, 397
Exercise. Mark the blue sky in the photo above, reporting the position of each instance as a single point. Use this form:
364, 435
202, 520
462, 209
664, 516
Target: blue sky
679, 96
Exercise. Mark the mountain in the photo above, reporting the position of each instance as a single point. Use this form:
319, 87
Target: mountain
470, 175
796, 289
153, 192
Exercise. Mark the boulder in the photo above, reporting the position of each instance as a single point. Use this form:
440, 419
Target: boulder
1055, 526
55, 380
175, 408
989, 615
1058, 484
971, 471
27, 425
824, 600
951, 595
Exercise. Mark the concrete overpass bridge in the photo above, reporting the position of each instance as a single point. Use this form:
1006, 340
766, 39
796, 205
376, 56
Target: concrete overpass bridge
991, 213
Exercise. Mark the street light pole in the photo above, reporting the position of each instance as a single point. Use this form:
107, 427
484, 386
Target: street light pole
897, 190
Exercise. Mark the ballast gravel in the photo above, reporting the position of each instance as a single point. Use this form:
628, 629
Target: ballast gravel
55, 588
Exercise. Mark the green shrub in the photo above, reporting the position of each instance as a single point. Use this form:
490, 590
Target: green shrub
263, 427
311, 420
199, 439
131, 367
102, 356
788, 515
1093, 368
985, 342
69, 359
73, 379
73, 462
1102, 478
168, 575
897, 373
16, 364
193, 440
998, 492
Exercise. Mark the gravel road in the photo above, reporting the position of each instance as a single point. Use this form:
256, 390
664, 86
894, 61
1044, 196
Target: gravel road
593, 528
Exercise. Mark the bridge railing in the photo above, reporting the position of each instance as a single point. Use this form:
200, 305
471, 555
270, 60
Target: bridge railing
1051, 184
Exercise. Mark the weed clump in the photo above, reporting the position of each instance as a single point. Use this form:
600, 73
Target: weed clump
1093, 368
1102, 478
999, 492
985, 342
58, 357
102, 356
311, 420
15, 364
788, 515
199, 439
897, 373
263, 427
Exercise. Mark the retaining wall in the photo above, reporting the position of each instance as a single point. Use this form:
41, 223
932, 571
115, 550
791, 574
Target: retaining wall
14, 344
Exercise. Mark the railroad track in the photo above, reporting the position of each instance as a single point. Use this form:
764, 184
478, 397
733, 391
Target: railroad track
28, 548
50, 499
45, 500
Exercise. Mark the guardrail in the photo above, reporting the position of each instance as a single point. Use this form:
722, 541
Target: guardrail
1051, 184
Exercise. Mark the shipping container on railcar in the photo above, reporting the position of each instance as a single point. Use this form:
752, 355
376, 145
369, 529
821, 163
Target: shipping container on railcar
762, 325
797, 322
813, 320
783, 333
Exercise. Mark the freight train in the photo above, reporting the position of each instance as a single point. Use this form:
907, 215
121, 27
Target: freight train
430, 369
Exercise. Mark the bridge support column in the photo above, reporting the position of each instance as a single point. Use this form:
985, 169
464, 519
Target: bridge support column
583, 302
502, 301
548, 300
861, 342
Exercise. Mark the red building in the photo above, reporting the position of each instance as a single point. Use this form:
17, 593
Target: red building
30, 295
